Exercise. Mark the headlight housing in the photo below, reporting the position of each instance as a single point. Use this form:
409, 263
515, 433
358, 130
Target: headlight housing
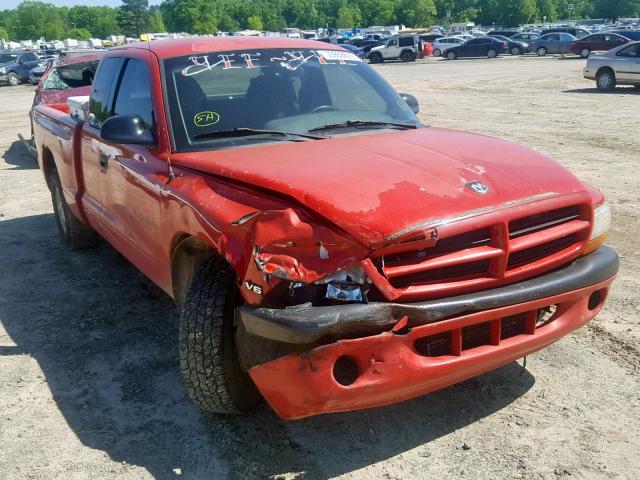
3, 70
601, 225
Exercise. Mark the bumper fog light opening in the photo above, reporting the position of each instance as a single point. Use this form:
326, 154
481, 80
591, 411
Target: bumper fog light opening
346, 371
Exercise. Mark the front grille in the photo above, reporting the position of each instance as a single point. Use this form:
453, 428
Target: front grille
507, 248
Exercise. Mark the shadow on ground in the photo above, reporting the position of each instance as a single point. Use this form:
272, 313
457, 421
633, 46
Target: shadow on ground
617, 90
105, 338
19, 156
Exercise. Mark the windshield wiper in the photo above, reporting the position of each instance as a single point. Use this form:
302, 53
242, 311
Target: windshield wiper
358, 123
247, 132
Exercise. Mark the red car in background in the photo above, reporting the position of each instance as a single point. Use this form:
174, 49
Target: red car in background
67, 77
597, 42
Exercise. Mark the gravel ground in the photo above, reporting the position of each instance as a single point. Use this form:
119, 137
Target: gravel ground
89, 377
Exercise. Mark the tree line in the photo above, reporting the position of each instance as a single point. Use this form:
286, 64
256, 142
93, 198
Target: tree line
34, 19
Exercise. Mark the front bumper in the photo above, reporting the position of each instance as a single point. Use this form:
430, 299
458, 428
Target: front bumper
589, 73
424, 346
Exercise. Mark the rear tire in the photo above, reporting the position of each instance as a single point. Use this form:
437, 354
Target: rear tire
585, 52
407, 56
74, 234
437, 53
375, 57
541, 51
452, 55
492, 54
605, 80
208, 356
13, 79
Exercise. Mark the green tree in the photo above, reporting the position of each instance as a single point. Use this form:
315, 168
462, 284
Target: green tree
517, 12
32, 20
4, 33
348, 16
156, 23
133, 17
416, 13
254, 22
106, 22
79, 34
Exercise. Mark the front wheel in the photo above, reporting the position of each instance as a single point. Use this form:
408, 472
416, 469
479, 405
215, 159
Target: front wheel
585, 52
437, 53
605, 80
209, 361
515, 51
13, 79
541, 52
451, 55
492, 54
375, 57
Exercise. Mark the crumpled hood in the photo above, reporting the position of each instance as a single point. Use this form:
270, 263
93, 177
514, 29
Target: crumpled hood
377, 184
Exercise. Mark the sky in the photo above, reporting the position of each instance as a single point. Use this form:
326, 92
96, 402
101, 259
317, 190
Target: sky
9, 4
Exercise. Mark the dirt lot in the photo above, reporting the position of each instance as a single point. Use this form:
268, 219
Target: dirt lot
89, 379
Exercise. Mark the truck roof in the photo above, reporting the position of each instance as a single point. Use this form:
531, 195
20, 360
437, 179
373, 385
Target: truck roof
188, 46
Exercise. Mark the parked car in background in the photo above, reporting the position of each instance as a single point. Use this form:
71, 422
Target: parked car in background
516, 47
524, 37
478, 47
399, 47
36, 73
597, 42
576, 32
359, 51
430, 37
633, 35
504, 33
367, 45
552, 43
441, 44
15, 66
619, 66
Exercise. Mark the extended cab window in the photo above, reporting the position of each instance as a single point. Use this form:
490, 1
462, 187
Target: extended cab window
133, 96
99, 104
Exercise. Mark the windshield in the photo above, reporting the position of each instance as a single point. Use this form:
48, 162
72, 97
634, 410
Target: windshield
8, 58
276, 90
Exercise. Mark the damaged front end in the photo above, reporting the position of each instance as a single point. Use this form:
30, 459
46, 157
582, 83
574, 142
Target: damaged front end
321, 329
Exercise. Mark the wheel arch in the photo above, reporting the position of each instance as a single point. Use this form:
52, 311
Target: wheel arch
188, 254
48, 165
605, 68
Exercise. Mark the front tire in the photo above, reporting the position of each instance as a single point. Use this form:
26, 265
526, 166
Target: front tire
541, 51
451, 55
375, 57
492, 54
13, 79
74, 234
515, 51
437, 53
585, 52
605, 80
208, 357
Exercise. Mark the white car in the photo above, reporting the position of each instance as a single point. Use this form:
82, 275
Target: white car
441, 44
618, 66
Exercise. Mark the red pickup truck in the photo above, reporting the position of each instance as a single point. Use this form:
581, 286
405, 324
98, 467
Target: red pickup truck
326, 250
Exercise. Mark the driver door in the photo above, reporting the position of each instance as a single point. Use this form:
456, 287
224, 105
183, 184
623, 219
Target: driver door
392, 49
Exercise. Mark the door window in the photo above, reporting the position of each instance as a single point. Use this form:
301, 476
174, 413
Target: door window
630, 51
134, 92
393, 42
99, 103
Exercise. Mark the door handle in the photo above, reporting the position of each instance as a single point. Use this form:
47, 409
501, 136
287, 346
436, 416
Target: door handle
104, 161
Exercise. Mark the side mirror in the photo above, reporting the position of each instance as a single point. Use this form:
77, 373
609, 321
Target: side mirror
411, 101
126, 129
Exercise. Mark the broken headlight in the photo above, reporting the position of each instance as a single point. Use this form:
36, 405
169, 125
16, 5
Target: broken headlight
349, 285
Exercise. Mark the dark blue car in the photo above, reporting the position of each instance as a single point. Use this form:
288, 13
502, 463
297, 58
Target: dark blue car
15, 66
478, 47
